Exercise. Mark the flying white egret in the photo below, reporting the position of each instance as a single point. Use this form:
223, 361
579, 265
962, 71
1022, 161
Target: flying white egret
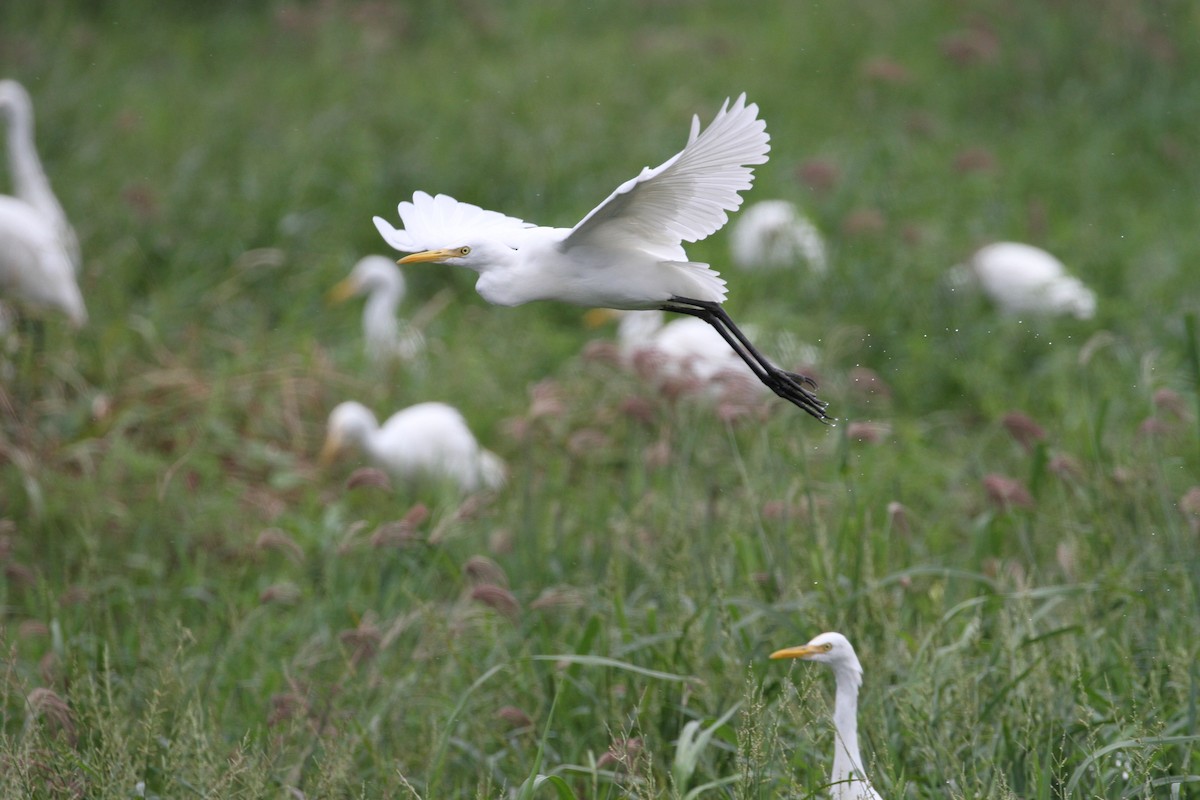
386, 338
773, 234
1023, 279
38, 250
848, 780
628, 252
428, 439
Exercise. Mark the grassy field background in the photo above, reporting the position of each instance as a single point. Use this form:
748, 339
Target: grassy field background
191, 607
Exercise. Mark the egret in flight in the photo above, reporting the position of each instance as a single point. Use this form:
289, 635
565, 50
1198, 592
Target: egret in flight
39, 253
848, 780
428, 439
627, 253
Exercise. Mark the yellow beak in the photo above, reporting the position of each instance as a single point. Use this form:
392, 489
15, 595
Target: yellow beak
430, 256
802, 651
329, 452
344, 290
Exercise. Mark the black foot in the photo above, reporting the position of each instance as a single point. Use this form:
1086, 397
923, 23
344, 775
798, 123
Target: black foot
788, 385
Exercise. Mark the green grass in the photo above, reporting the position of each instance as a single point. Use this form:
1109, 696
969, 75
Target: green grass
221, 167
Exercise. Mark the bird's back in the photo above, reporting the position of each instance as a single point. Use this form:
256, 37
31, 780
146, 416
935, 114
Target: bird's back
430, 438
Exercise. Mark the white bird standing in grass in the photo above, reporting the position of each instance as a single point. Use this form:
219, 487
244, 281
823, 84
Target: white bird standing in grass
386, 337
848, 780
39, 253
773, 234
428, 439
1023, 279
628, 252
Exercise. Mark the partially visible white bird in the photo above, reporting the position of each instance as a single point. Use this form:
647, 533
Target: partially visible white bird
848, 780
428, 439
683, 350
773, 234
628, 252
35, 270
29, 178
39, 253
1023, 279
386, 337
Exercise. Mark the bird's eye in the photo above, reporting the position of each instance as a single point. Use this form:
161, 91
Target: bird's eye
464, 251
827, 646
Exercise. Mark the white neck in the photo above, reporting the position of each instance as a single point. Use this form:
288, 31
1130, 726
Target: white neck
848, 777
29, 179
379, 317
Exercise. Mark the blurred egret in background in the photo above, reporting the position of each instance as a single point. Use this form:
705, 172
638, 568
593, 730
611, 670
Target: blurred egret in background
848, 780
39, 253
428, 439
627, 253
773, 234
1023, 279
386, 337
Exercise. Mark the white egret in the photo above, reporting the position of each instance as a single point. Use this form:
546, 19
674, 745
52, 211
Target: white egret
1023, 279
38, 250
627, 253
848, 780
773, 234
385, 337
428, 439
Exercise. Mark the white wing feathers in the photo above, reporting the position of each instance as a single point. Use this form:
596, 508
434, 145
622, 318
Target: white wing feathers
435, 222
687, 197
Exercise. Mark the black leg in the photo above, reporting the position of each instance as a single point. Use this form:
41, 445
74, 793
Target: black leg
788, 385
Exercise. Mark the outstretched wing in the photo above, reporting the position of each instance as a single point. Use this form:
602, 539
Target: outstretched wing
435, 222
688, 197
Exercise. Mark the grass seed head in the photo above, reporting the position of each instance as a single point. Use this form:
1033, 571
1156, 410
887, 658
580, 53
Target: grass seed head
863, 222
481, 570
868, 432
560, 597
369, 477
1006, 493
1066, 467
515, 717
1189, 504
866, 384
885, 70
498, 599
284, 593
276, 539
1171, 402
56, 715
897, 515
819, 175
1023, 429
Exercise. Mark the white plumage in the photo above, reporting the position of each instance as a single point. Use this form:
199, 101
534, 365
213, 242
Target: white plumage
428, 439
385, 336
848, 780
39, 253
773, 234
627, 253
1023, 279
